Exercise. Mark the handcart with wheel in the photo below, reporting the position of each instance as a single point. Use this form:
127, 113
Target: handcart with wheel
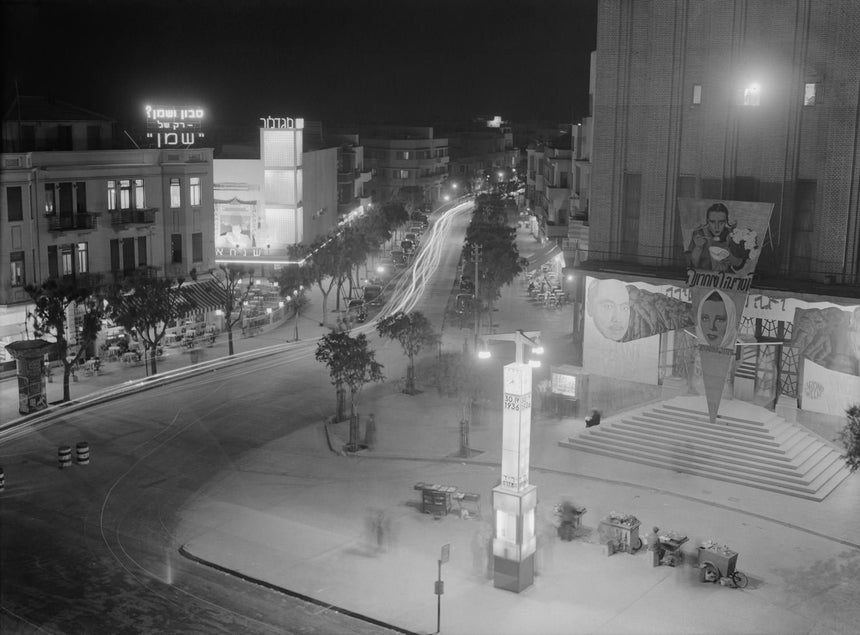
620, 532
718, 563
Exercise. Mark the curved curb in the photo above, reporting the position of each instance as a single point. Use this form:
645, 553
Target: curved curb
305, 598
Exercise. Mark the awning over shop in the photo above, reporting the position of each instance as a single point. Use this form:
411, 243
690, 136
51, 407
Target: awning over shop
204, 296
544, 255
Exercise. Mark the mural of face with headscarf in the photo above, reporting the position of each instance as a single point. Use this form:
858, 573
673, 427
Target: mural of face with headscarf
716, 321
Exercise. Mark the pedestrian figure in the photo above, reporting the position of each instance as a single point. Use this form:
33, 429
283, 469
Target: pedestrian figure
593, 420
370, 432
653, 542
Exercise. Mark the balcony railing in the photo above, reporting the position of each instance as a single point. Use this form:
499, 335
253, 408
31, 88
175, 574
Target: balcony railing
79, 221
133, 216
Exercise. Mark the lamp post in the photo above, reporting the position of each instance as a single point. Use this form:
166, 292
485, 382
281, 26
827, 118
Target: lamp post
296, 293
515, 500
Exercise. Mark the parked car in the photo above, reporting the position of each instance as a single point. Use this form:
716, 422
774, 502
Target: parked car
407, 246
412, 237
466, 284
416, 229
399, 258
464, 304
373, 294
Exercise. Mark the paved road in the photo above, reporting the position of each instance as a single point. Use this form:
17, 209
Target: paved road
95, 548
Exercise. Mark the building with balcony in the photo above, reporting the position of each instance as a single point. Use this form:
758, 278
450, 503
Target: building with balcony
407, 163
352, 176
97, 216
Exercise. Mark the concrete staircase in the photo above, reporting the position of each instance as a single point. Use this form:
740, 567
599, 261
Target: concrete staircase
748, 445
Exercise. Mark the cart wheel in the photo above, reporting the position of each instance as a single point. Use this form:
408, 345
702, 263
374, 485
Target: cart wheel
637, 546
740, 579
709, 572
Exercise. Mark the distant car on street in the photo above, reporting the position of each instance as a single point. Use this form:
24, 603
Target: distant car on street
373, 294
412, 237
407, 246
399, 259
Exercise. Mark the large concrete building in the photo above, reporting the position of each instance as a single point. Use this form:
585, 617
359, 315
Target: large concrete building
732, 99
756, 103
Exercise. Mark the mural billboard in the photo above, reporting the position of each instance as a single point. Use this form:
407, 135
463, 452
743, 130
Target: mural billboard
173, 127
722, 244
830, 337
623, 321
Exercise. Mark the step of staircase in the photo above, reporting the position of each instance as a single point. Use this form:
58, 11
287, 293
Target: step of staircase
762, 450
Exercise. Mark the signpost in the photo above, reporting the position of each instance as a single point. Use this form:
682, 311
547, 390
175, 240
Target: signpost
440, 586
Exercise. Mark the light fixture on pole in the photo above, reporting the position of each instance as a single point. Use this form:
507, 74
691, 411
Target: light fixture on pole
515, 499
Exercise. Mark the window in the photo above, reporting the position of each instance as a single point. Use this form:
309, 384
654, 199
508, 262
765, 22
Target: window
139, 198
141, 251
175, 194
53, 270
14, 204
197, 247
751, 95
111, 193
83, 258
17, 261
66, 199
400, 174
195, 191
697, 94
403, 154
114, 254
81, 196
176, 247
64, 137
67, 260
809, 90
128, 259
50, 198
125, 194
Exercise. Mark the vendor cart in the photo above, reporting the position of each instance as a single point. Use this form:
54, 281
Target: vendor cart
569, 519
718, 563
620, 532
435, 499
670, 548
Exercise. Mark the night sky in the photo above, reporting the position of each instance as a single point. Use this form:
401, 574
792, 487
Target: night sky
397, 61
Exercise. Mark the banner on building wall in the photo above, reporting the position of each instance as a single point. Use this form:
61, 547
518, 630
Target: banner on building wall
827, 391
626, 311
722, 244
606, 348
829, 337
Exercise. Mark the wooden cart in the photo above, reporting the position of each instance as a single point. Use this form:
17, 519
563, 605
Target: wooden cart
620, 534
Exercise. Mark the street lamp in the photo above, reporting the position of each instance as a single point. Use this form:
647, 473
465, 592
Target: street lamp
515, 500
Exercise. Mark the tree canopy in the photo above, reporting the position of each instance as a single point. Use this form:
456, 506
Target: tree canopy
414, 332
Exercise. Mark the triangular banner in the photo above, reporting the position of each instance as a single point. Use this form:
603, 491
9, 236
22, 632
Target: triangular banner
715, 367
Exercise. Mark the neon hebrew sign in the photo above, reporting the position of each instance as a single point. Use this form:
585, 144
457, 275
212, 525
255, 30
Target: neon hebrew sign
282, 123
173, 127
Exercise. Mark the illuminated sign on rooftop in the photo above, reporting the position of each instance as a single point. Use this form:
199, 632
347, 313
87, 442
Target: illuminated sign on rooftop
173, 127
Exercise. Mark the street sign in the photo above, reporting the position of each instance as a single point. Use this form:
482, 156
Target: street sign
440, 587
446, 553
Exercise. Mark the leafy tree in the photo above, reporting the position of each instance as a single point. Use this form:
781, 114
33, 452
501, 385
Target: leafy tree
414, 332
53, 300
850, 437
500, 261
456, 377
235, 292
351, 364
147, 305
322, 265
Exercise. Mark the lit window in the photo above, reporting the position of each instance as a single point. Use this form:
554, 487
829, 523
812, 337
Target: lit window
17, 263
83, 258
697, 94
195, 191
175, 193
752, 95
809, 94
111, 195
139, 198
124, 194
66, 260
50, 198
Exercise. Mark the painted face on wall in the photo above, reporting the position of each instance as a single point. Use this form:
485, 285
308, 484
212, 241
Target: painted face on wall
713, 320
717, 221
610, 308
